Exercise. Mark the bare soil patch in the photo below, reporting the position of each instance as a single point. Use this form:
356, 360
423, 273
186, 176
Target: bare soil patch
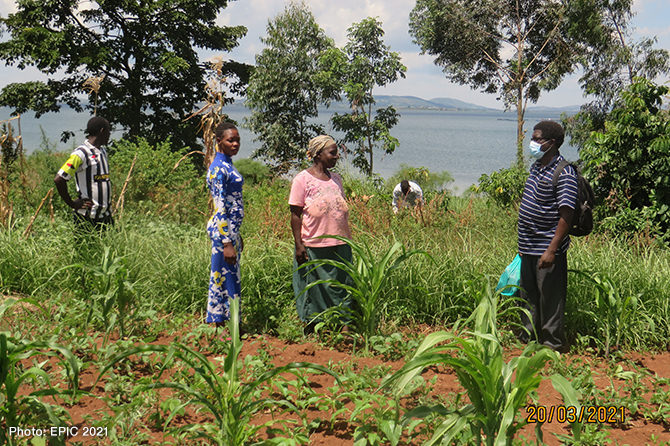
635, 430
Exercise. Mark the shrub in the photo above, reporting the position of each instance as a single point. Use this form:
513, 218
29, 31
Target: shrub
628, 164
356, 185
429, 181
252, 171
504, 187
157, 184
31, 178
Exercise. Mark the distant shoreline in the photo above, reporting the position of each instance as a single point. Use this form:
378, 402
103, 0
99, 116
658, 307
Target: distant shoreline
343, 107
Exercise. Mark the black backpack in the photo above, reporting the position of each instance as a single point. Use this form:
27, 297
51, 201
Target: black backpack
582, 219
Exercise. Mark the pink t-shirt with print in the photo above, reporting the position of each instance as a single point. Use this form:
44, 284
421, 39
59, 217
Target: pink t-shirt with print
325, 212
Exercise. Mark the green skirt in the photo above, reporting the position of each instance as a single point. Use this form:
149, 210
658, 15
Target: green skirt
319, 298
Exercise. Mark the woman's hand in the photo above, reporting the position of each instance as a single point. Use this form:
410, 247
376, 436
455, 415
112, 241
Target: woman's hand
229, 254
296, 226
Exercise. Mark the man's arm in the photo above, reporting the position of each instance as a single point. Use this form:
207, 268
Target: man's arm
61, 187
564, 222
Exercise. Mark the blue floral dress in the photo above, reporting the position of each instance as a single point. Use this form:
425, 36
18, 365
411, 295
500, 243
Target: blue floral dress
225, 185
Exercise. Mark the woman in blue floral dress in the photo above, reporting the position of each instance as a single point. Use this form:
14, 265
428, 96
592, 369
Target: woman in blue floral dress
225, 184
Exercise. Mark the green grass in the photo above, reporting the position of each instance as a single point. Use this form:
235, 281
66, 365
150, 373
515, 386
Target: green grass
619, 298
168, 262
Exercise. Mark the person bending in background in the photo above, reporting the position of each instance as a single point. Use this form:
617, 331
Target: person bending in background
406, 194
545, 215
225, 185
90, 168
318, 208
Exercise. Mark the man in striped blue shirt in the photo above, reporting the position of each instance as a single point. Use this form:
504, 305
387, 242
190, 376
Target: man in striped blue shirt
88, 164
545, 215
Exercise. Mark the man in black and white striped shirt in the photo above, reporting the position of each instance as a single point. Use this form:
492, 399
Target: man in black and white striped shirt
88, 164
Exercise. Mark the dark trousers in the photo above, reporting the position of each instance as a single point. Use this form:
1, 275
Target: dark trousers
544, 291
85, 224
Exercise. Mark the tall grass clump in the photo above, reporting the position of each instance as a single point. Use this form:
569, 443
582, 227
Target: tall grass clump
267, 291
618, 284
168, 262
465, 241
161, 237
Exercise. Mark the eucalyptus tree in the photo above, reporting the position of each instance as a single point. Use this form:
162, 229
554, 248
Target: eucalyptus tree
365, 63
287, 87
143, 53
513, 48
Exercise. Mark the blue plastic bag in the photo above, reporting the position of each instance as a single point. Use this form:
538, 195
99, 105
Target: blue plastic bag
511, 276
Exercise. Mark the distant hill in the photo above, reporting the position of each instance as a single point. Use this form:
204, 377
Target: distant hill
413, 102
404, 102
455, 103
567, 109
429, 104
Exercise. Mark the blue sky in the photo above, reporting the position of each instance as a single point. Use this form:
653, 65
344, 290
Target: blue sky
423, 79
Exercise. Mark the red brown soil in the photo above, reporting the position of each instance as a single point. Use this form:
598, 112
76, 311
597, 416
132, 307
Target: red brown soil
634, 431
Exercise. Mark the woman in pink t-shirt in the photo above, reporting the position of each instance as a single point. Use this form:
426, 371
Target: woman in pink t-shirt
318, 208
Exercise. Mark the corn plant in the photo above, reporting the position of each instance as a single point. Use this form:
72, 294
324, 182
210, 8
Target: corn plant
616, 311
21, 409
369, 277
497, 390
232, 401
114, 291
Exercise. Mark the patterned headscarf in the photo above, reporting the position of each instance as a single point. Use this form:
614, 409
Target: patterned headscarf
317, 144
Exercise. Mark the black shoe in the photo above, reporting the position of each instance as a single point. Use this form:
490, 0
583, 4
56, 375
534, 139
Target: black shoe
564, 348
309, 329
525, 338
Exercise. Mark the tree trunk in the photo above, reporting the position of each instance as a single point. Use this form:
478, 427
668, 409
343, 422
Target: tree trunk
519, 128
370, 150
520, 73
369, 124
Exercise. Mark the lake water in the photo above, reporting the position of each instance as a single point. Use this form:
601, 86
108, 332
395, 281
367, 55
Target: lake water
464, 143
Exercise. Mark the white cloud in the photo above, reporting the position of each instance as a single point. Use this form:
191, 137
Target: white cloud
7, 7
424, 79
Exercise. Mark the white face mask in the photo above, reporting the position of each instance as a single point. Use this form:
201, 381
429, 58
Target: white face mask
536, 150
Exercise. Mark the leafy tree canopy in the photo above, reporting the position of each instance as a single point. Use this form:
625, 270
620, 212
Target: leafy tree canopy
145, 50
513, 48
366, 62
287, 86
628, 163
610, 65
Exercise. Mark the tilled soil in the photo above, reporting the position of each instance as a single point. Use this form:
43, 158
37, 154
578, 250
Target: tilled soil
634, 429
